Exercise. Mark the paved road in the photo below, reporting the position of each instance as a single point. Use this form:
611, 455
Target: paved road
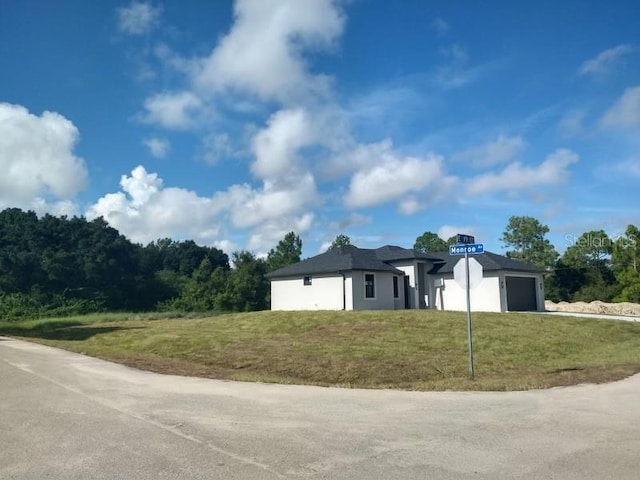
68, 416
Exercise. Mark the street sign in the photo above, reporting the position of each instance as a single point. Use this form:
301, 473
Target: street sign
460, 238
475, 273
472, 248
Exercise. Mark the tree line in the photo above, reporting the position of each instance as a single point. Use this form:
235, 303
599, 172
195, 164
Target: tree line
594, 265
59, 266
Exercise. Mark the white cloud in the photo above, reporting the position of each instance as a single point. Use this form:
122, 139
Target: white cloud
357, 157
516, 176
501, 150
158, 147
445, 232
145, 210
261, 55
277, 145
36, 157
249, 207
626, 111
58, 208
262, 239
605, 61
411, 206
391, 176
173, 110
138, 18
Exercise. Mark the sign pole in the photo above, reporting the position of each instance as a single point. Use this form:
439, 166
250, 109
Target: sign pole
469, 336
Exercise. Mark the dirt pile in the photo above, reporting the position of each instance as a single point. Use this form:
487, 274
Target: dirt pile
622, 308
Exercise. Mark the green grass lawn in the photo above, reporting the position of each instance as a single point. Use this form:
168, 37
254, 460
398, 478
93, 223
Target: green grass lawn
421, 350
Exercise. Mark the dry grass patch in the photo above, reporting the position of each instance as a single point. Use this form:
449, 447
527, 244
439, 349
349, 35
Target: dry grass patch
422, 350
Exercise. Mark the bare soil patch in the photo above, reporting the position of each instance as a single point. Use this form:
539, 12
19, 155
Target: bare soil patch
622, 308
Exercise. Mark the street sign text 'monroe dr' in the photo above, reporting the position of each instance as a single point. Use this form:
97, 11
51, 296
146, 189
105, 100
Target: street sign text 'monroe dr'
470, 248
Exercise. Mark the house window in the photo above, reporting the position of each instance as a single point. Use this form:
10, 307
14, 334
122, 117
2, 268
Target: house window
307, 280
396, 293
369, 285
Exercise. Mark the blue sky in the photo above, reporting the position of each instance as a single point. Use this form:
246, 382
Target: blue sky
232, 123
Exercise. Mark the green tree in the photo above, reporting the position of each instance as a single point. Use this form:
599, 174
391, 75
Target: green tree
526, 238
626, 264
287, 252
452, 240
430, 242
247, 288
341, 240
584, 271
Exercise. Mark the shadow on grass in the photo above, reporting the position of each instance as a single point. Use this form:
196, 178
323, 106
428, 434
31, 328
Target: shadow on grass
61, 331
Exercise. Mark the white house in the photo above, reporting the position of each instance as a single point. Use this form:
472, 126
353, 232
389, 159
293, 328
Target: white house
392, 278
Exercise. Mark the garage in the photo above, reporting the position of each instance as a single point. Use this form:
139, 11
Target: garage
521, 294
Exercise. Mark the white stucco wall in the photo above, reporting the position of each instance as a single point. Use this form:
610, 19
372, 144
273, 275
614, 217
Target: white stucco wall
324, 293
486, 297
383, 291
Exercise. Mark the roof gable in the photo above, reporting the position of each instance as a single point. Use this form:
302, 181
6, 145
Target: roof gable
336, 260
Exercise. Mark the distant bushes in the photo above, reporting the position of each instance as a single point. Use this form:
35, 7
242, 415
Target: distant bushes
15, 307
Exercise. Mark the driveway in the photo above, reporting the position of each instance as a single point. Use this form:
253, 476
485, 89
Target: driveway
68, 416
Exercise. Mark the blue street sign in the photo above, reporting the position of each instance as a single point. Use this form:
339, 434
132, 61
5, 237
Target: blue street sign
471, 248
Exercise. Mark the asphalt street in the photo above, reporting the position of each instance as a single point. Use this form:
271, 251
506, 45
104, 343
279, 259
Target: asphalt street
69, 416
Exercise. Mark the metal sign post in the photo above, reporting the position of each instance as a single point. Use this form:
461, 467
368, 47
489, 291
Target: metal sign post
469, 335
467, 246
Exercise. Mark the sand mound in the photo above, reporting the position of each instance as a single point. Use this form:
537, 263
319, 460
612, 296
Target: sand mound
622, 308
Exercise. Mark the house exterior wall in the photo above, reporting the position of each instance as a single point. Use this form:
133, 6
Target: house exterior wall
489, 296
486, 297
421, 289
383, 299
410, 270
324, 293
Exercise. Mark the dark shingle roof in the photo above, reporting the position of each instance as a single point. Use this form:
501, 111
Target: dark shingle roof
340, 259
389, 253
488, 260
344, 259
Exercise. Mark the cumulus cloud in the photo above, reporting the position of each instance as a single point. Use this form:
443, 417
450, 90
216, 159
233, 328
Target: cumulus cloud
261, 240
173, 110
516, 176
138, 18
249, 207
626, 111
276, 146
501, 150
605, 61
261, 55
37, 159
158, 147
145, 210
391, 176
